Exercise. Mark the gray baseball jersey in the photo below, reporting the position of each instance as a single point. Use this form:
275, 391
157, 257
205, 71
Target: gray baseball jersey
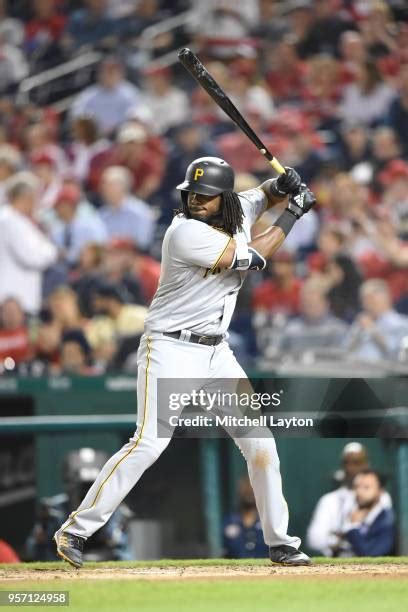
193, 293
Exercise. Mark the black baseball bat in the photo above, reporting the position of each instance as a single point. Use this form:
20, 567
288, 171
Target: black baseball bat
193, 65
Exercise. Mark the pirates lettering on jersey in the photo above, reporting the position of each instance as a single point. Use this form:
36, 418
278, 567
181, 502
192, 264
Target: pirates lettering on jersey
211, 271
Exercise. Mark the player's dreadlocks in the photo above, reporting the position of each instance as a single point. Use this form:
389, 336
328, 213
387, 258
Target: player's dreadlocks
230, 217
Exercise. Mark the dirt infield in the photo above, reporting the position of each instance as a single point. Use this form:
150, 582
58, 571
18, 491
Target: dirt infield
328, 570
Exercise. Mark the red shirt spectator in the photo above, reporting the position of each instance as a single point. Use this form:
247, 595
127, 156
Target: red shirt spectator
282, 292
374, 265
14, 341
272, 297
148, 273
133, 151
286, 78
129, 259
47, 24
7, 554
14, 344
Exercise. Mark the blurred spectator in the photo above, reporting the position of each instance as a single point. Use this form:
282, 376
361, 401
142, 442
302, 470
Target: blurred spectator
119, 269
90, 25
315, 328
281, 292
346, 196
331, 242
367, 100
72, 231
21, 268
86, 148
121, 8
43, 34
352, 54
386, 238
45, 168
76, 354
322, 91
378, 29
355, 146
11, 30
14, 338
46, 350
124, 215
370, 527
242, 531
10, 161
13, 66
300, 20
86, 276
168, 103
114, 322
64, 310
385, 147
39, 139
248, 92
224, 19
398, 115
394, 181
319, 31
343, 283
378, 331
286, 72
270, 24
8, 554
136, 152
80, 468
147, 13
190, 142
147, 271
324, 533
138, 274
109, 101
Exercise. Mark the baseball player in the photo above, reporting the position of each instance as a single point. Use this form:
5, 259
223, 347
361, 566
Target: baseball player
206, 254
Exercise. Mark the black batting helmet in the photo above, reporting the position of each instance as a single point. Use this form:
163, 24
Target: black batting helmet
208, 176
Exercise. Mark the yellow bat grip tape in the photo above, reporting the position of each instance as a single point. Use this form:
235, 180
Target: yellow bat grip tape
277, 166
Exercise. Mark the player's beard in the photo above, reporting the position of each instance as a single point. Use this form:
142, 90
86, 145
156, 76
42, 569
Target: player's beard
213, 220
368, 504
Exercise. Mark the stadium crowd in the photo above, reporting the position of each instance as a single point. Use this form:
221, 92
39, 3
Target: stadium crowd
86, 193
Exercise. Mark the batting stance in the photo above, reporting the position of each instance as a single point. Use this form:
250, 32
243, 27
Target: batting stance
207, 252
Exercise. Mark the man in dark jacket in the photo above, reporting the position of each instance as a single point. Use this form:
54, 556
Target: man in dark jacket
242, 531
371, 526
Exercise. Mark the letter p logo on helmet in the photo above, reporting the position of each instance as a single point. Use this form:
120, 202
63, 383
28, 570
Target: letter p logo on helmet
198, 172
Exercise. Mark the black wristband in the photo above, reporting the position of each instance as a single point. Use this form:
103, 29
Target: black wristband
286, 221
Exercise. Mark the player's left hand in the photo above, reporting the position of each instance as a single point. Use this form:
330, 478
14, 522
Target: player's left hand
289, 182
302, 201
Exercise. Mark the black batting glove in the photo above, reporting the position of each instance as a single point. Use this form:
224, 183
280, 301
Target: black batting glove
286, 184
301, 202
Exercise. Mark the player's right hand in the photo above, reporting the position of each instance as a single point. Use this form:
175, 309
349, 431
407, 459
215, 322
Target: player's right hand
301, 202
288, 183
285, 184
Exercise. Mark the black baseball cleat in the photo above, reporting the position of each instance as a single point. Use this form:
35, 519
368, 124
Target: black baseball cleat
288, 555
70, 547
